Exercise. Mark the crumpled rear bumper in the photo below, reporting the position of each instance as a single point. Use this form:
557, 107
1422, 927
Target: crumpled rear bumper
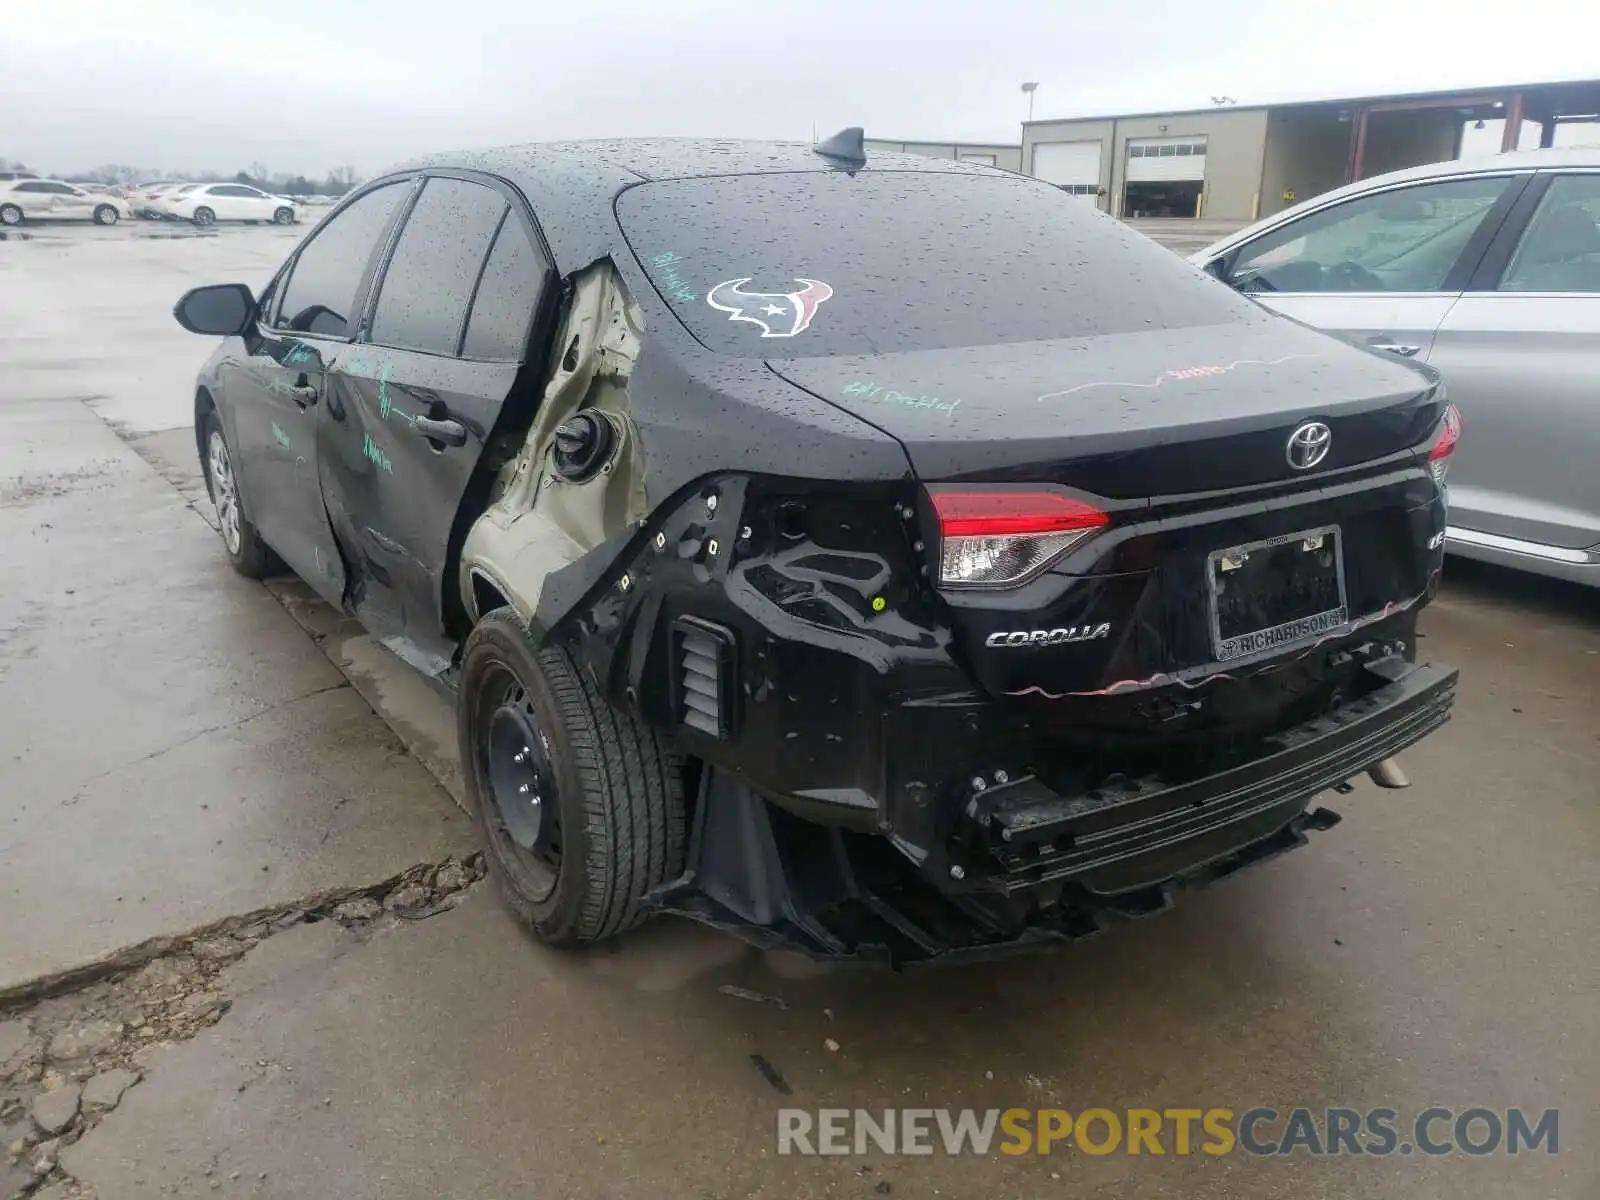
1025, 866
1142, 832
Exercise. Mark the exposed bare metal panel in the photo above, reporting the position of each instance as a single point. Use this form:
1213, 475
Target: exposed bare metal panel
540, 521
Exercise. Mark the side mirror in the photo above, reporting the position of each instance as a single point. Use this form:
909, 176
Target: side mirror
219, 309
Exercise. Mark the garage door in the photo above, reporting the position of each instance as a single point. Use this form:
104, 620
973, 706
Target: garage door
1158, 160
1072, 166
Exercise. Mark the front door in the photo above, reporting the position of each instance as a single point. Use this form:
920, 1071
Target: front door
414, 402
269, 402
271, 397
229, 201
1521, 359
1382, 268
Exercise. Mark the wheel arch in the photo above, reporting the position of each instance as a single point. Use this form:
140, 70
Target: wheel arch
204, 405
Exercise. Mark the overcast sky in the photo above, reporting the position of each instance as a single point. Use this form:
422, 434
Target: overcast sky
302, 86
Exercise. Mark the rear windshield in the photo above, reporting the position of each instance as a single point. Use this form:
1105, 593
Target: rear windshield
821, 264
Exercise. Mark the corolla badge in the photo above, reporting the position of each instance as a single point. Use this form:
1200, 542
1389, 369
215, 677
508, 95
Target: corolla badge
1047, 637
780, 314
1308, 445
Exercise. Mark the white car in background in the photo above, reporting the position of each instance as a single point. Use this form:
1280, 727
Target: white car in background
52, 200
208, 203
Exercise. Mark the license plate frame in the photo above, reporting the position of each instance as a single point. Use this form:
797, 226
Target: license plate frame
1291, 632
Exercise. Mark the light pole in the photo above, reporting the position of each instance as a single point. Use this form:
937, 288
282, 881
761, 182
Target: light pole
1029, 89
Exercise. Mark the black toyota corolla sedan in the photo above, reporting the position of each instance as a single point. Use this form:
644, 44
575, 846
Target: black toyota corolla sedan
877, 556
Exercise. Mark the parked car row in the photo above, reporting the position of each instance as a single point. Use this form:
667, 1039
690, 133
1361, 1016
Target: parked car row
28, 198
1488, 270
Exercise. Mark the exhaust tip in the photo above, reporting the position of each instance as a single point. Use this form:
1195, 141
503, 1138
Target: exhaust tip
1388, 774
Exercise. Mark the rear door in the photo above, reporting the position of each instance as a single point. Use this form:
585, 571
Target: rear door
270, 398
75, 204
1520, 354
414, 403
1381, 268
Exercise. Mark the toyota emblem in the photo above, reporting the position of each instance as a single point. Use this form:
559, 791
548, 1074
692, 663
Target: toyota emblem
1308, 445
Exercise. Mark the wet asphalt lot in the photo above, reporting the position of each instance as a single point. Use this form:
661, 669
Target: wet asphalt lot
183, 750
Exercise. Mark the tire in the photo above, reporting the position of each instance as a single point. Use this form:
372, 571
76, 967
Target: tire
105, 214
249, 555
204, 216
573, 867
10, 214
283, 216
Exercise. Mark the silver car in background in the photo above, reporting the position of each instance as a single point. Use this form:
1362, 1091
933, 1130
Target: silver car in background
1489, 270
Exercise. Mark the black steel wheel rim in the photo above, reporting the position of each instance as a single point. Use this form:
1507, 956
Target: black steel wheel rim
521, 792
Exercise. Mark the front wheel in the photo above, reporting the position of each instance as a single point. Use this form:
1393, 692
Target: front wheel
10, 214
579, 805
106, 215
249, 555
284, 216
204, 216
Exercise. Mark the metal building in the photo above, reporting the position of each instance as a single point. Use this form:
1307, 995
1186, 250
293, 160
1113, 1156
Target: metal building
1238, 163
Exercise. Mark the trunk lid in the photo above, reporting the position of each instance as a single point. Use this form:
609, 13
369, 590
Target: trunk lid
1181, 435
1121, 415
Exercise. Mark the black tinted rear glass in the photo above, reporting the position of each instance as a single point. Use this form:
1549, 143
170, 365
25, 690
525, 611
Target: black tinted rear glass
821, 264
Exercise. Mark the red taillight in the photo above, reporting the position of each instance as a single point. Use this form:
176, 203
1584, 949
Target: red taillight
1000, 537
1445, 444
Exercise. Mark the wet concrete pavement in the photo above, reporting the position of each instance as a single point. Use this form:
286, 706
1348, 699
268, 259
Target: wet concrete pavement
1435, 948
174, 749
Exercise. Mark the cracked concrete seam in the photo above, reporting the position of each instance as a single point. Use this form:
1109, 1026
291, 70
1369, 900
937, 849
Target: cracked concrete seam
195, 737
74, 1042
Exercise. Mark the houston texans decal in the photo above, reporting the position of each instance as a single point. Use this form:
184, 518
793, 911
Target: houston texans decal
780, 314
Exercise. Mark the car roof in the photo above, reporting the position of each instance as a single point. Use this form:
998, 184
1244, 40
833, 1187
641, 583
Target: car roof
571, 186
1515, 160
624, 161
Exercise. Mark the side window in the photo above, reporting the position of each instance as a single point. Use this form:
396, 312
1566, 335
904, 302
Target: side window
322, 284
1560, 249
507, 295
1403, 240
227, 189
438, 257
30, 187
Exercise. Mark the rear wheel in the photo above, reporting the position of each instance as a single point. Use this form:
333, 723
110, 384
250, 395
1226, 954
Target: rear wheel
579, 806
105, 214
10, 214
284, 216
204, 216
250, 556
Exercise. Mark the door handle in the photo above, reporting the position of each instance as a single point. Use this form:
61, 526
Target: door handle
1400, 348
449, 431
303, 394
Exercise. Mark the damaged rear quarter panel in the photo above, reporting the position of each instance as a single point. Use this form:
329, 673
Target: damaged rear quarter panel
539, 522
679, 412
